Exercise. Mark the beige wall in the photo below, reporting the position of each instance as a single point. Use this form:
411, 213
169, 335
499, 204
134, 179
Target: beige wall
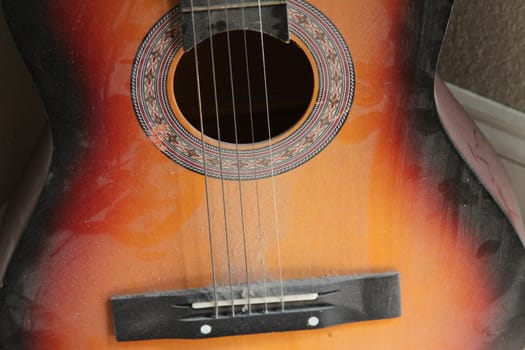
484, 50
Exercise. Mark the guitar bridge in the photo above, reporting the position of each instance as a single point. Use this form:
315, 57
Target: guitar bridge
274, 307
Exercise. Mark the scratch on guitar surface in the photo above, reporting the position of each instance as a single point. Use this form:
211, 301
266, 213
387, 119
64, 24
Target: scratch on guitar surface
62, 245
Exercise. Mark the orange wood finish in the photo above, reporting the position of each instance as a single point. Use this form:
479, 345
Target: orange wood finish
130, 220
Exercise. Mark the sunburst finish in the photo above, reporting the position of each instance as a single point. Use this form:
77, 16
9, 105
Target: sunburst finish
388, 193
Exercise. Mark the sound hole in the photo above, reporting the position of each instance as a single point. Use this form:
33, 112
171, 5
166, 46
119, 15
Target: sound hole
289, 87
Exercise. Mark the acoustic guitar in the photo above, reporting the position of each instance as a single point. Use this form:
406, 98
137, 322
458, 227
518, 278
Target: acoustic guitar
257, 174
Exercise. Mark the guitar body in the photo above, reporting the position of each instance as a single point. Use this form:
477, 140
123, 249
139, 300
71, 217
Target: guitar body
126, 211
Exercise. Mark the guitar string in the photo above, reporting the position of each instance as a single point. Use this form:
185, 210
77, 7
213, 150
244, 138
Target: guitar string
204, 163
270, 146
221, 170
256, 180
243, 225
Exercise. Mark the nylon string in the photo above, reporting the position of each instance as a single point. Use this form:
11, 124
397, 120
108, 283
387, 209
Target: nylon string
221, 172
203, 150
252, 131
243, 225
270, 145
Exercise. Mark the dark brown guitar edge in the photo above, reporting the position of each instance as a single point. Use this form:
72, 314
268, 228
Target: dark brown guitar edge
476, 208
22, 203
56, 150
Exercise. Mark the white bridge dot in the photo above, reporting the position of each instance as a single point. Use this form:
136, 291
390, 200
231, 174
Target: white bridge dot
205, 329
313, 321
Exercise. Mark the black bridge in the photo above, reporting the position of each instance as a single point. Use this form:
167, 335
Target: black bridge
276, 307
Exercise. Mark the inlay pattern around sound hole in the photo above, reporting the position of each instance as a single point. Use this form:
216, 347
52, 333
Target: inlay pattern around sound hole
301, 137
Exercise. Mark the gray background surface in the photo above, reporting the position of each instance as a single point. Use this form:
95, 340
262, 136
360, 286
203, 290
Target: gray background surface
484, 50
